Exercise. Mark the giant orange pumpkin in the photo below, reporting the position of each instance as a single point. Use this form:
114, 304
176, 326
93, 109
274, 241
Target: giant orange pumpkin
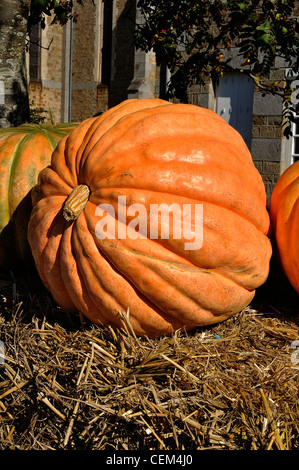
24, 151
148, 153
284, 213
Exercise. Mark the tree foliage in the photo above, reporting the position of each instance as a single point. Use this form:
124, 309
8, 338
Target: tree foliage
61, 10
205, 39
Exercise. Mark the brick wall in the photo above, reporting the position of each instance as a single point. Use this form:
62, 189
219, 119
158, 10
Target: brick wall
135, 74
267, 154
267, 147
202, 95
47, 92
47, 98
88, 97
270, 150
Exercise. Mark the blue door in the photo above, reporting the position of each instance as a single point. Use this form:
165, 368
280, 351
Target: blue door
234, 102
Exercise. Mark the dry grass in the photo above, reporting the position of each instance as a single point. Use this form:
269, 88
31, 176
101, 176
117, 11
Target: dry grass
67, 384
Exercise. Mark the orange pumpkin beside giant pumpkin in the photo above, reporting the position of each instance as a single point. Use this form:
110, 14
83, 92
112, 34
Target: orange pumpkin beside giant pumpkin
151, 152
284, 214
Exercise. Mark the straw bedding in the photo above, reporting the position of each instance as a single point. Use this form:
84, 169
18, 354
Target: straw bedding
67, 384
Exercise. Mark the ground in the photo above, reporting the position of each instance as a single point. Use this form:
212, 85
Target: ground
67, 384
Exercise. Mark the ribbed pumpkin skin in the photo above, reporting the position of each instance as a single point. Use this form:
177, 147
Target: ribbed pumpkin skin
153, 151
24, 152
284, 214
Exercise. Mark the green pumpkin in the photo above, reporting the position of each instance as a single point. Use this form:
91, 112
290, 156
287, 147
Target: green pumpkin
24, 152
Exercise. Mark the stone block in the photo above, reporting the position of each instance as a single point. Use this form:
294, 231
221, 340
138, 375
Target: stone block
266, 105
258, 165
267, 132
259, 120
267, 178
278, 132
266, 149
255, 131
274, 120
203, 100
277, 74
272, 167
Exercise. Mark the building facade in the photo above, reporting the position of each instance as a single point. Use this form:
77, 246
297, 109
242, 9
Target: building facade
91, 64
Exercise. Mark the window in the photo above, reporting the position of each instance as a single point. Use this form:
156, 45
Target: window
292, 146
234, 102
295, 138
34, 52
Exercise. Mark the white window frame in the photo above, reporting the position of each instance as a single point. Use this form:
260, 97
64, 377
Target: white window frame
291, 156
295, 140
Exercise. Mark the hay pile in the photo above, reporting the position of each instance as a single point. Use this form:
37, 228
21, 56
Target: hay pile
67, 384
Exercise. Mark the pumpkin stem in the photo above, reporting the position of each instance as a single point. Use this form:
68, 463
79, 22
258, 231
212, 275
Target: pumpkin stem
76, 202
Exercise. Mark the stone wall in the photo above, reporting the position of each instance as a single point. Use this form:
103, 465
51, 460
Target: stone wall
75, 70
268, 144
202, 95
88, 97
267, 149
134, 74
47, 91
270, 149
47, 98
123, 50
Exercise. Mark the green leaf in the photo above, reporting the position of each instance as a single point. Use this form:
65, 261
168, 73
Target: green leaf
264, 38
